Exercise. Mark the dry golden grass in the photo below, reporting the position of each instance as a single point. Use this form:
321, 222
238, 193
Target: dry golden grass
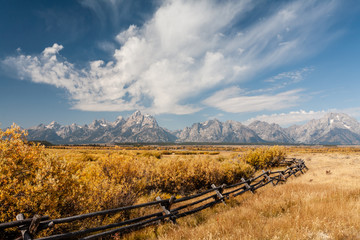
324, 203
65, 182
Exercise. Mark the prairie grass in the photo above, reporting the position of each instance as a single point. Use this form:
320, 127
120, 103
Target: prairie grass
324, 203
63, 182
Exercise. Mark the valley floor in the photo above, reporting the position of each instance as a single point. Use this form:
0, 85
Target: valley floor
324, 203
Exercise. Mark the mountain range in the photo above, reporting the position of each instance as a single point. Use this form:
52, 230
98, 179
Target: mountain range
333, 128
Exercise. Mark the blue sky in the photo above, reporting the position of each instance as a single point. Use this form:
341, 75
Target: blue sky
183, 61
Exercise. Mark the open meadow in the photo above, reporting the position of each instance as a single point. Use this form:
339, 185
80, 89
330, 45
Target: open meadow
323, 203
62, 181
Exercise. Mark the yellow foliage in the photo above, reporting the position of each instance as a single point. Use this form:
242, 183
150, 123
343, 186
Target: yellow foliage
265, 157
182, 175
31, 182
64, 182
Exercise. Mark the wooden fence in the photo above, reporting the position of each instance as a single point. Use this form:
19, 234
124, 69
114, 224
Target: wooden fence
170, 209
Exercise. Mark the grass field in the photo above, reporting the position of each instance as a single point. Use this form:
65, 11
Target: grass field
324, 203
66, 181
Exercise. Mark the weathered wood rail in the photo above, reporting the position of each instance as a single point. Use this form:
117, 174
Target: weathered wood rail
170, 209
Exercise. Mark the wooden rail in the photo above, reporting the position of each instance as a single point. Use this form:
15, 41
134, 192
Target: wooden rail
185, 206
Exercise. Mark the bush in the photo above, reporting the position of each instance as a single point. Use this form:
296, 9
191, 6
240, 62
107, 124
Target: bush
31, 182
265, 157
186, 174
35, 180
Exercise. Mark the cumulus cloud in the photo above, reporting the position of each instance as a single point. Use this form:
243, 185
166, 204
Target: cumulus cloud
186, 49
286, 119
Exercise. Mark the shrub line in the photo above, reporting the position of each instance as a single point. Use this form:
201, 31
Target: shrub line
252, 184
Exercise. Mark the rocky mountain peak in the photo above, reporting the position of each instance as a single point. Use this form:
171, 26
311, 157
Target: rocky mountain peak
323, 130
99, 124
216, 131
261, 125
337, 116
136, 115
211, 121
119, 121
270, 132
140, 120
333, 128
74, 126
333, 121
53, 125
341, 120
119, 118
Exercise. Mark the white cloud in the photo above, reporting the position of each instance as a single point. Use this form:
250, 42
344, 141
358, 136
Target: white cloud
186, 48
286, 119
232, 100
124, 36
282, 80
52, 50
104, 9
301, 116
291, 77
107, 46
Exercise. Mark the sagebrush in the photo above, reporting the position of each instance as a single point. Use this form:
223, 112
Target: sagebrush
59, 183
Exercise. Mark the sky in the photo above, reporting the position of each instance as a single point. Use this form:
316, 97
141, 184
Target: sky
182, 61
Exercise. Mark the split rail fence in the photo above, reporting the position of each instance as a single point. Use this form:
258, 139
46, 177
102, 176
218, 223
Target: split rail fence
170, 209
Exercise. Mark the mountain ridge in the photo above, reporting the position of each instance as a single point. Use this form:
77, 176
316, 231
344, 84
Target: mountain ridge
333, 128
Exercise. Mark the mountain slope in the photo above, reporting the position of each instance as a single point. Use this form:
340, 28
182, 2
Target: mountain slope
271, 132
137, 128
333, 128
339, 136
216, 131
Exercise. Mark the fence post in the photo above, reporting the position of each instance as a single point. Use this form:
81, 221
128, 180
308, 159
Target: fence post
268, 177
166, 207
247, 185
302, 165
292, 172
282, 176
34, 224
299, 167
219, 193
25, 232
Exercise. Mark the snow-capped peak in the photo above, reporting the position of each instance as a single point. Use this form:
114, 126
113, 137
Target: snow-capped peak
53, 125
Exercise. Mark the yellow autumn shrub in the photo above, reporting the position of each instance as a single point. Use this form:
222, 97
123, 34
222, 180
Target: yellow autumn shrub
66, 182
186, 174
30, 181
33, 181
265, 157
111, 182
